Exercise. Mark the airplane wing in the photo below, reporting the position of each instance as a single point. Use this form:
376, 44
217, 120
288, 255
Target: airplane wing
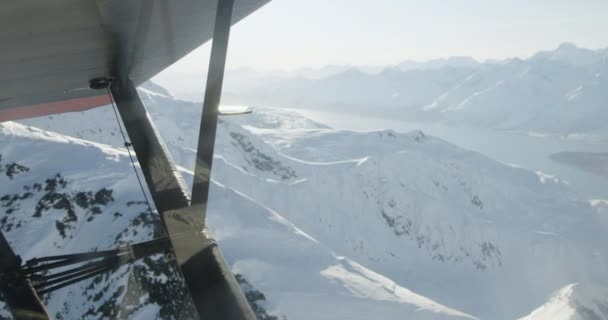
51, 49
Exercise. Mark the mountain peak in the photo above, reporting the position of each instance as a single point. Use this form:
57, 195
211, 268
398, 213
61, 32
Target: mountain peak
567, 46
350, 72
440, 63
570, 53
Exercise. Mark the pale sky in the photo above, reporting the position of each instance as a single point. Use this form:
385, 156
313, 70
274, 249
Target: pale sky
289, 34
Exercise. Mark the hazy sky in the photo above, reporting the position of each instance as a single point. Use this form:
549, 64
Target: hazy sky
288, 34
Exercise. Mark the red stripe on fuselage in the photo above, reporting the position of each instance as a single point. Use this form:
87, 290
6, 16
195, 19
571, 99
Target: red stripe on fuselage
45, 109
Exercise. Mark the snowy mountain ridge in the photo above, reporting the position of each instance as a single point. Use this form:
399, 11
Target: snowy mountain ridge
559, 91
58, 205
259, 228
569, 303
446, 223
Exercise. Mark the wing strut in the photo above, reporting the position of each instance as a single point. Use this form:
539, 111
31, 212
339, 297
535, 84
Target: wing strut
214, 290
20, 296
213, 93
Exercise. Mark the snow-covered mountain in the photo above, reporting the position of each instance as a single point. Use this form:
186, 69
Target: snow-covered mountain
392, 90
364, 225
569, 53
262, 246
62, 195
427, 214
561, 91
573, 303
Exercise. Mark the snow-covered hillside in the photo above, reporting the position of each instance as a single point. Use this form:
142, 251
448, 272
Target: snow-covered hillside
61, 195
352, 219
451, 223
300, 276
573, 303
262, 245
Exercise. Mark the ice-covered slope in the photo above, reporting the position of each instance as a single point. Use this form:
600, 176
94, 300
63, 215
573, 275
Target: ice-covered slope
451, 223
301, 276
482, 237
568, 303
59, 216
61, 195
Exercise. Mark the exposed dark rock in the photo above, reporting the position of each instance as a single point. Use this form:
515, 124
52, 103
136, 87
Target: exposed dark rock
402, 226
12, 169
477, 202
152, 280
256, 300
261, 161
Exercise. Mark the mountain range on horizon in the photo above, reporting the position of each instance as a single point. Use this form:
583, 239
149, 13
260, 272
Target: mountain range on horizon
566, 51
561, 91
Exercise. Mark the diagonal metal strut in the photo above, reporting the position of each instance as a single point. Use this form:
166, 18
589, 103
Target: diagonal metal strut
213, 93
214, 290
